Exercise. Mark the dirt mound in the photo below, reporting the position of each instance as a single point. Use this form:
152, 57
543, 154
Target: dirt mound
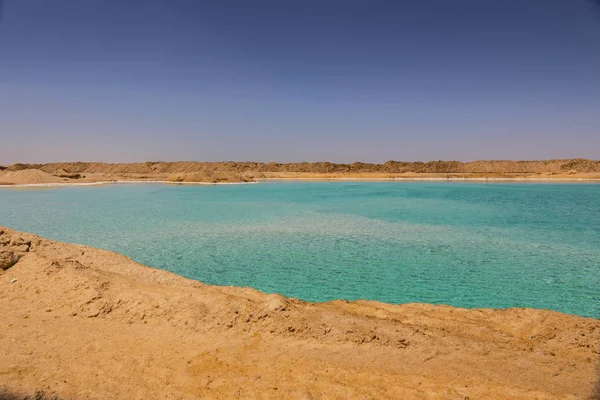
27, 176
80, 322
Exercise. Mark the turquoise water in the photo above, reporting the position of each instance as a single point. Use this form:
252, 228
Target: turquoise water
464, 244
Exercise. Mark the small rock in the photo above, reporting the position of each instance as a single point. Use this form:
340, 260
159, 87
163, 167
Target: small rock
276, 302
8, 259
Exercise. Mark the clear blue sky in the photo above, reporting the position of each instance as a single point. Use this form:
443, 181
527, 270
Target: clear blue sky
336, 80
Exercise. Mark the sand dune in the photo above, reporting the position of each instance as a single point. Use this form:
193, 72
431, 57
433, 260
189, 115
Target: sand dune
28, 176
79, 322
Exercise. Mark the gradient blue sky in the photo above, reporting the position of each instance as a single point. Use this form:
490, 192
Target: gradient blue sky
336, 80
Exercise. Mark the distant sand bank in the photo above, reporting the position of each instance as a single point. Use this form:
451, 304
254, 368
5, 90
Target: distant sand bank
37, 178
221, 172
79, 322
363, 179
71, 183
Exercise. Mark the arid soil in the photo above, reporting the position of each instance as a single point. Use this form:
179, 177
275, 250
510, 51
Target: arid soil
83, 323
28, 176
570, 169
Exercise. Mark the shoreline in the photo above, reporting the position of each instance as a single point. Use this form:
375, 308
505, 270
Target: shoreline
449, 179
196, 172
361, 179
75, 316
117, 182
383, 303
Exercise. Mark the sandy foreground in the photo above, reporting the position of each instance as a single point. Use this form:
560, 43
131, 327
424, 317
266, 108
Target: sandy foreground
84, 323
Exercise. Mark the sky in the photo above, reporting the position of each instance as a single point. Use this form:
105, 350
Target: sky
287, 81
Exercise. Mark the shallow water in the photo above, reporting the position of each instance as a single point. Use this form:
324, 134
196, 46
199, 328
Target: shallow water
465, 244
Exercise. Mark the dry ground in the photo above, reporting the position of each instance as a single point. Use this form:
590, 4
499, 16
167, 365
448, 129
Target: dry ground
83, 323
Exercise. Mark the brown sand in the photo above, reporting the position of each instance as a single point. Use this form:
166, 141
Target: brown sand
85, 172
82, 323
28, 176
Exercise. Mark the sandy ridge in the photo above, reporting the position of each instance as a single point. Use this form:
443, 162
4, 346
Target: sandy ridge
116, 182
578, 165
80, 322
29, 176
220, 172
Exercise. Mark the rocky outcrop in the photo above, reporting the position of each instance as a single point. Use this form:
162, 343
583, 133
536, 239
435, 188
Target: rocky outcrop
12, 249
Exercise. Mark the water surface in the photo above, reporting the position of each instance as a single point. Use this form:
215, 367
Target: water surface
465, 244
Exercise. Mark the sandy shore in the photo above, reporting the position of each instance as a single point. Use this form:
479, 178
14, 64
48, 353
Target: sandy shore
142, 181
221, 172
83, 323
34, 180
72, 183
38, 178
